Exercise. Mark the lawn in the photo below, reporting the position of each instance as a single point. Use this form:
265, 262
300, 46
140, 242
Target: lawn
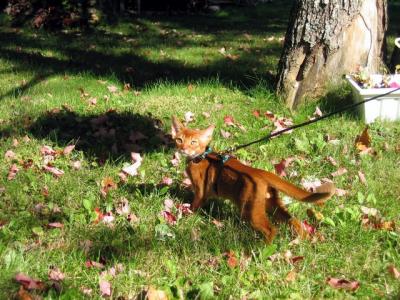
112, 91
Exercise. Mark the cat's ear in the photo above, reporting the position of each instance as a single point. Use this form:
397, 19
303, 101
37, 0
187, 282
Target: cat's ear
208, 132
176, 126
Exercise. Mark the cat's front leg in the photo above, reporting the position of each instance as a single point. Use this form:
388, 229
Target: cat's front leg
199, 198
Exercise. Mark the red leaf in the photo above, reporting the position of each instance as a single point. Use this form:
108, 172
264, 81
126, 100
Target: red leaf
270, 116
169, 217
338, 283
256, 113
12, 172
309, 228
231, 259
28, 282
228, 120
282, 165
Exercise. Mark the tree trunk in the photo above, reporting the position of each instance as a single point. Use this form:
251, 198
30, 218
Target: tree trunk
326, 39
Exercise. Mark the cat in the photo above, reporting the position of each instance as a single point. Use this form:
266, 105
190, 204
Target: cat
254, 191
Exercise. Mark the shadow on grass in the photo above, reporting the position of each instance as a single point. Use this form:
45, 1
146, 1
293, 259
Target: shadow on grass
109, 135
337, 99
98, 52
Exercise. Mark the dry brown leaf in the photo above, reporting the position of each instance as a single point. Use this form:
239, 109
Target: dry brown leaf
363, 141
291, 276
345, 284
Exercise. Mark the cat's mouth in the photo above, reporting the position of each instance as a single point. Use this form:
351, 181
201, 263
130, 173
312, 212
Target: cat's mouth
190, 154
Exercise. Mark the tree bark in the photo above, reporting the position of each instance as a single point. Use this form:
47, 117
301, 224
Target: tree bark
326, 39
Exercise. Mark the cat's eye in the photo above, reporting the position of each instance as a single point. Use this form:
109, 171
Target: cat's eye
194, 142
179, 140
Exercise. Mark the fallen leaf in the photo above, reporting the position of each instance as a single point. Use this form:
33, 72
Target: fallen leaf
99, 215
56, 275
67, 150
167, 181
123, 207
189, 117
231, 259
256, 113
218, 224
9, 154
282, 165
168, 204
154, 294
53, 170
23, 294
107, 184
105, 287
206, 114
317, 112
169, 217
92, 101
55, 225
28, 282
291, 276
132, 169
228, 120
12, 172
93, 264
76, 164
340, 192
112, 88
363, 141
309, 228
225, 134
108, 218
362, 178
176, 159
394, 272
339, 172
270, 116
184, 209
296, 259
345, 284
47, 150
331, 160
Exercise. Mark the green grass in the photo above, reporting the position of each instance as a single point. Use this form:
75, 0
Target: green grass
176, 66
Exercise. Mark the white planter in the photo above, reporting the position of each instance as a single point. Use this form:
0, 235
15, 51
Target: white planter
387, 107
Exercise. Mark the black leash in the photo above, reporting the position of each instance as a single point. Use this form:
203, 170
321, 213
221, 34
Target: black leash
277, 133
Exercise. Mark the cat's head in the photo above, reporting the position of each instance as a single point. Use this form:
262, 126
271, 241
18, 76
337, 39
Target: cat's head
190, 142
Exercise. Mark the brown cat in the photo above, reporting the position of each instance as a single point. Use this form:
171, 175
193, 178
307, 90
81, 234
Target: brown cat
254, 191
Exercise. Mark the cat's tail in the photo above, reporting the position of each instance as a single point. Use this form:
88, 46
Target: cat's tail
321, 194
